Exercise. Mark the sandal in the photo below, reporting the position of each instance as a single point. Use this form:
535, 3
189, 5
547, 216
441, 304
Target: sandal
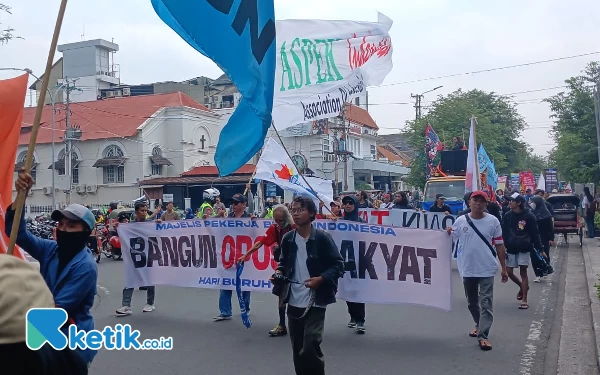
485, 345
523, 306
520, 294
474, 332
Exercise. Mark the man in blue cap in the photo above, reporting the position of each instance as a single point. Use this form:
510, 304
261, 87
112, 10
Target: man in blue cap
67, 265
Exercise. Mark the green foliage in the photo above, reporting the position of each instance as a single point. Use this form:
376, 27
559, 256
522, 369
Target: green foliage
574, 129
499, 128
6, 34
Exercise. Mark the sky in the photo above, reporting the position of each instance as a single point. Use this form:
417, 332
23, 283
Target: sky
431, 38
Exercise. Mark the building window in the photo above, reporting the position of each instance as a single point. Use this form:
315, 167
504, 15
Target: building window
373, 150
357, 101
74, 166
326, 144
22, 158
156, 168
113, 173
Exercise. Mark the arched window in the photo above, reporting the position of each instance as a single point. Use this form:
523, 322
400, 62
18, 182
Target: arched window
115, 172
61, 165
21, 163
156, 168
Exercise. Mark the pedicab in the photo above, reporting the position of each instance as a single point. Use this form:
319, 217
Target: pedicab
567, 218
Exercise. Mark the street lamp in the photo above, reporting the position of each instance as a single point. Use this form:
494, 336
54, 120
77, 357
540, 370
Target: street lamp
418, 98
27, 70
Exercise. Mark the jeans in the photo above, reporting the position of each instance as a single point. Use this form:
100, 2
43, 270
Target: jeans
225, 301
282, 316
356, 311
590, 227
306, 335
128, 293
480, 295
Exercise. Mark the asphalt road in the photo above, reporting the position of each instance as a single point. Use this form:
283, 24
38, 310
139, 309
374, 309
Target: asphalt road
400, 339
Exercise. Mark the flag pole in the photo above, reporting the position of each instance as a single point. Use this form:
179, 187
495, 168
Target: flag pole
474, 123
301, 175
19, 202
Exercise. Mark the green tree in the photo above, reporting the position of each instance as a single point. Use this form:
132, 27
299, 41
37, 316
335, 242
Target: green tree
6, 34
499, 128
574, 130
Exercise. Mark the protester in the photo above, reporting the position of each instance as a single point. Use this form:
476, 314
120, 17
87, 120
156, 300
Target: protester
467, 199
141, 210
268, 210
440, 205
238, 210
546, 228
209, 197
307, 301
386, 202
218, 204
589, 211
208, 212
336, 211
283, 223
23, 288
458, 144
158, 211
401, 202
170, 214
416, 199
355, 309
477, 232
521, 234
67, 265
189, 214
528, 195
363, 200
544, 195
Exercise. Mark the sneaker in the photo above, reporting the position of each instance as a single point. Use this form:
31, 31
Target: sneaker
221, 317
148, 308
351, 324
360, 328
279, 330
123, 311
537, 280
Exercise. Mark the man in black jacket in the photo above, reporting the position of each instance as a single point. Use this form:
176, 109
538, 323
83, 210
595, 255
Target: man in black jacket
312, 261
355, 309
521, 235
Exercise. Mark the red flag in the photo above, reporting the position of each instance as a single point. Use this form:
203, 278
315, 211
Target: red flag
12, 100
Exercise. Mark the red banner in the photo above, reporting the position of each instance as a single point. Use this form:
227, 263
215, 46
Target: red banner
527, 181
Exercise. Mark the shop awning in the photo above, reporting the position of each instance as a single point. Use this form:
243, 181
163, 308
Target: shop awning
160, 160
109, 162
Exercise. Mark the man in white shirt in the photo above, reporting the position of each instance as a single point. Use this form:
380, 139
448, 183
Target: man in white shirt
477, 260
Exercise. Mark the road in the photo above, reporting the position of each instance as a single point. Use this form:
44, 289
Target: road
400, 339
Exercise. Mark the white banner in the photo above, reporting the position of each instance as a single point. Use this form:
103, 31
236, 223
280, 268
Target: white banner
383, 264
407, 218
275, 166
323, 64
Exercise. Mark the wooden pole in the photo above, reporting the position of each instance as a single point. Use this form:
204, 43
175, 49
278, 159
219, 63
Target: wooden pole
18, 204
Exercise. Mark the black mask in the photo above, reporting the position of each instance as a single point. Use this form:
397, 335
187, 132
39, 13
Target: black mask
71, 242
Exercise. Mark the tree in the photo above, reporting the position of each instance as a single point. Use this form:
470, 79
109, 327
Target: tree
499, 128
6, 34
574, 130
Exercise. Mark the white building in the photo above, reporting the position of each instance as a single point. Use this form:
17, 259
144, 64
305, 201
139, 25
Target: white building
123, 141
324, 145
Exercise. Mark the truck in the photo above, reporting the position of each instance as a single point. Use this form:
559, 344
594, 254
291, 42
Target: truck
447, 178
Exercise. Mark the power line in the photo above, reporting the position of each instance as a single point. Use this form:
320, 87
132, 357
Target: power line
490, 69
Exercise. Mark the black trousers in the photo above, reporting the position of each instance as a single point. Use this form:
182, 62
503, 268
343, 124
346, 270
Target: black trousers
306, 335
356, 311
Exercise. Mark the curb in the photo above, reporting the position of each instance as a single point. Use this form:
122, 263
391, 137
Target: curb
592, 270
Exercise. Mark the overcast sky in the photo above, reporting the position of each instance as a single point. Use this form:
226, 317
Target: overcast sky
430, 37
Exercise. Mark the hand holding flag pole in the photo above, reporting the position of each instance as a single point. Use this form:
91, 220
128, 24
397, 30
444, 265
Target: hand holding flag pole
17, 206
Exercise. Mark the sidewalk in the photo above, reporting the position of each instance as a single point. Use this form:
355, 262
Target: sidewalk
591, 260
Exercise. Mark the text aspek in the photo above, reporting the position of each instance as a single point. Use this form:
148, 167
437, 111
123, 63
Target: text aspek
199, 251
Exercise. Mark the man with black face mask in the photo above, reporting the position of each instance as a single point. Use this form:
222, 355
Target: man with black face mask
67, 265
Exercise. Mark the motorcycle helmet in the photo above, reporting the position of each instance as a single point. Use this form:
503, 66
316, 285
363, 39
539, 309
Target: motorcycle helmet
211, 194
115, 242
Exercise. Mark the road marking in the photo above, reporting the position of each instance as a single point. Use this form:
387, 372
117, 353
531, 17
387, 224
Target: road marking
535, 329
106, 291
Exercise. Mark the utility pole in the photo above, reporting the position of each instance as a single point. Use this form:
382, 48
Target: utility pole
418, 98
597, 115
340, 148
72, 133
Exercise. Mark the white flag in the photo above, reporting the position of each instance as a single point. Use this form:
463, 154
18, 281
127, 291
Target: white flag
541, 182
275, 166
323, 64
472, 174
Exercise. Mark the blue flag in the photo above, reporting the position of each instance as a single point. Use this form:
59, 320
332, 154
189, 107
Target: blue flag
239, 36
238, 290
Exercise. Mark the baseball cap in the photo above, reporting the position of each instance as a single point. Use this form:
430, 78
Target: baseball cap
76, 212
517, 197
23, 288
334, 203
440, 196
239, 198
479, 193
